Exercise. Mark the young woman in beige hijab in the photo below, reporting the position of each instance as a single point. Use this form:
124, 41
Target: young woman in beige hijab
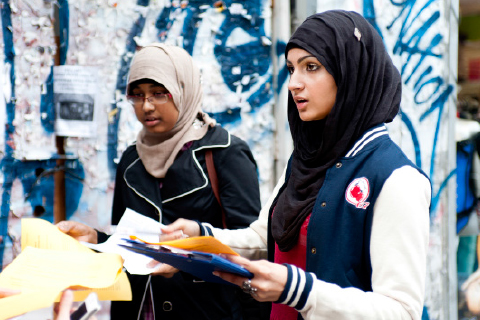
164, 176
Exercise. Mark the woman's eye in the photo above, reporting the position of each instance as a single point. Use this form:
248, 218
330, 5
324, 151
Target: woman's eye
158, 94
290, 69
137, 95
312, 67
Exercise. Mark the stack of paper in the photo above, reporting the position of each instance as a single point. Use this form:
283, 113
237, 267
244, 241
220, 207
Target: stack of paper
51, 262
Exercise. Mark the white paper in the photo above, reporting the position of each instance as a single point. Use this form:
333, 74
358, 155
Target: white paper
132, 223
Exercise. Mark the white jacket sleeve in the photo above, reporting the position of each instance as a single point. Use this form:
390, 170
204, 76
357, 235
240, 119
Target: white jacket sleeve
399, 242
249, 242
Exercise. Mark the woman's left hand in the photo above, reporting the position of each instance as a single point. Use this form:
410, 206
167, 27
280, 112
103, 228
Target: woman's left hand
162, 269
180, 229
269, 278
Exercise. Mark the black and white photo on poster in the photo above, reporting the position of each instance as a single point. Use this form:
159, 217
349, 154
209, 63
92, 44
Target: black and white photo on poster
75, 91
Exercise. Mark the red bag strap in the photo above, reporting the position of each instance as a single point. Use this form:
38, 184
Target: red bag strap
212, 175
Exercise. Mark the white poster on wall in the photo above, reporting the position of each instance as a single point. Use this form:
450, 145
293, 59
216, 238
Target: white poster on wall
75, 92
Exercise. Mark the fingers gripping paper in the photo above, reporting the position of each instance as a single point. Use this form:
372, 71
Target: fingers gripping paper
51, 262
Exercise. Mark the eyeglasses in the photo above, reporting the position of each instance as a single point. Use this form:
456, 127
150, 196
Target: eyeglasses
156, 98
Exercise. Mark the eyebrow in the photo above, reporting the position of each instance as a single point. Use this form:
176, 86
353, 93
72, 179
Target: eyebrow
303, 58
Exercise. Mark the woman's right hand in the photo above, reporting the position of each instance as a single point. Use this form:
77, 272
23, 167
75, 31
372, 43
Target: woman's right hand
79, 231
179, 229
269, 278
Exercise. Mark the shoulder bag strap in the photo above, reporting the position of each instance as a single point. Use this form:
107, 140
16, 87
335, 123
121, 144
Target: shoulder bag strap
212, 175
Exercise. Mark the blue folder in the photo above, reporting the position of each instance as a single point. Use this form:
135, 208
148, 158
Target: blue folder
198, 264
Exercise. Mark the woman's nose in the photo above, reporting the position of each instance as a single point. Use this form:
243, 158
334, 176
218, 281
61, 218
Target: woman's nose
294, 84
148, 106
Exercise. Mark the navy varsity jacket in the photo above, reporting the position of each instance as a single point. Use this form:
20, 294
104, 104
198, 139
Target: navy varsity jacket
338, 236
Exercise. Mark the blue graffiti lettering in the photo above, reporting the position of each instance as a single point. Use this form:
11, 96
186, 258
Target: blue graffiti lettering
428, 88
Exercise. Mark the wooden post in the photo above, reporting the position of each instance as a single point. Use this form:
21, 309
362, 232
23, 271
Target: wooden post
59, 203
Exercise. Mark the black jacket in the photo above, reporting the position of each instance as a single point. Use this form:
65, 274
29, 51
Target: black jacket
186, 193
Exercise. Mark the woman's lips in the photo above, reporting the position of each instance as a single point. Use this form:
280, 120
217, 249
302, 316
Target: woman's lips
151, 122
300, 102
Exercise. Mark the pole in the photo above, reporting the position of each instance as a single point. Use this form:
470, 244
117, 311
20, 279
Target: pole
59, 203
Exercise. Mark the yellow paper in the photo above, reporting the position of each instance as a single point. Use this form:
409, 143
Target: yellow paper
51, 262
39, 233
36, 268
119, 291
21, 303
203, 244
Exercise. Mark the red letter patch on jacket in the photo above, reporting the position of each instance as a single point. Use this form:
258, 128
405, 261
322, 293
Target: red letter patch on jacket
357, 192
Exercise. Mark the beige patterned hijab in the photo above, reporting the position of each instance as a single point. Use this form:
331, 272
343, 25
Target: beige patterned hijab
172, 67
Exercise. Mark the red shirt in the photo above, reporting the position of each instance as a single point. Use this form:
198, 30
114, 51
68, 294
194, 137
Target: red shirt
298, 257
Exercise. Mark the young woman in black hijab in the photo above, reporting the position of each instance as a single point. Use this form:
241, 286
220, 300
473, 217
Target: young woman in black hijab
347, 227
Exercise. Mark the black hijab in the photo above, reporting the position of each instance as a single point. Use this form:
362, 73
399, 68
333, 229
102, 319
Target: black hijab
368, 93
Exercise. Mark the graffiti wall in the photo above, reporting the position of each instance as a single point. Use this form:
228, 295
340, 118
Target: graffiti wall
230, 41
421, 36
241, 59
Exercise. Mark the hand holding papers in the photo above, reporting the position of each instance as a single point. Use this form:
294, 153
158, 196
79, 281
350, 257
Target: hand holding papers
52, 261
131, 223
198, 256
136, 233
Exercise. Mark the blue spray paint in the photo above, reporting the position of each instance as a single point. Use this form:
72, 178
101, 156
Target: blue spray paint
36, 177
283, 72
7, 161
46, 100
253, 57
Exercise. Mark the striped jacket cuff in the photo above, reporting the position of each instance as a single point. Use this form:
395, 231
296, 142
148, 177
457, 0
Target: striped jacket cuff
205, 229
298, 287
